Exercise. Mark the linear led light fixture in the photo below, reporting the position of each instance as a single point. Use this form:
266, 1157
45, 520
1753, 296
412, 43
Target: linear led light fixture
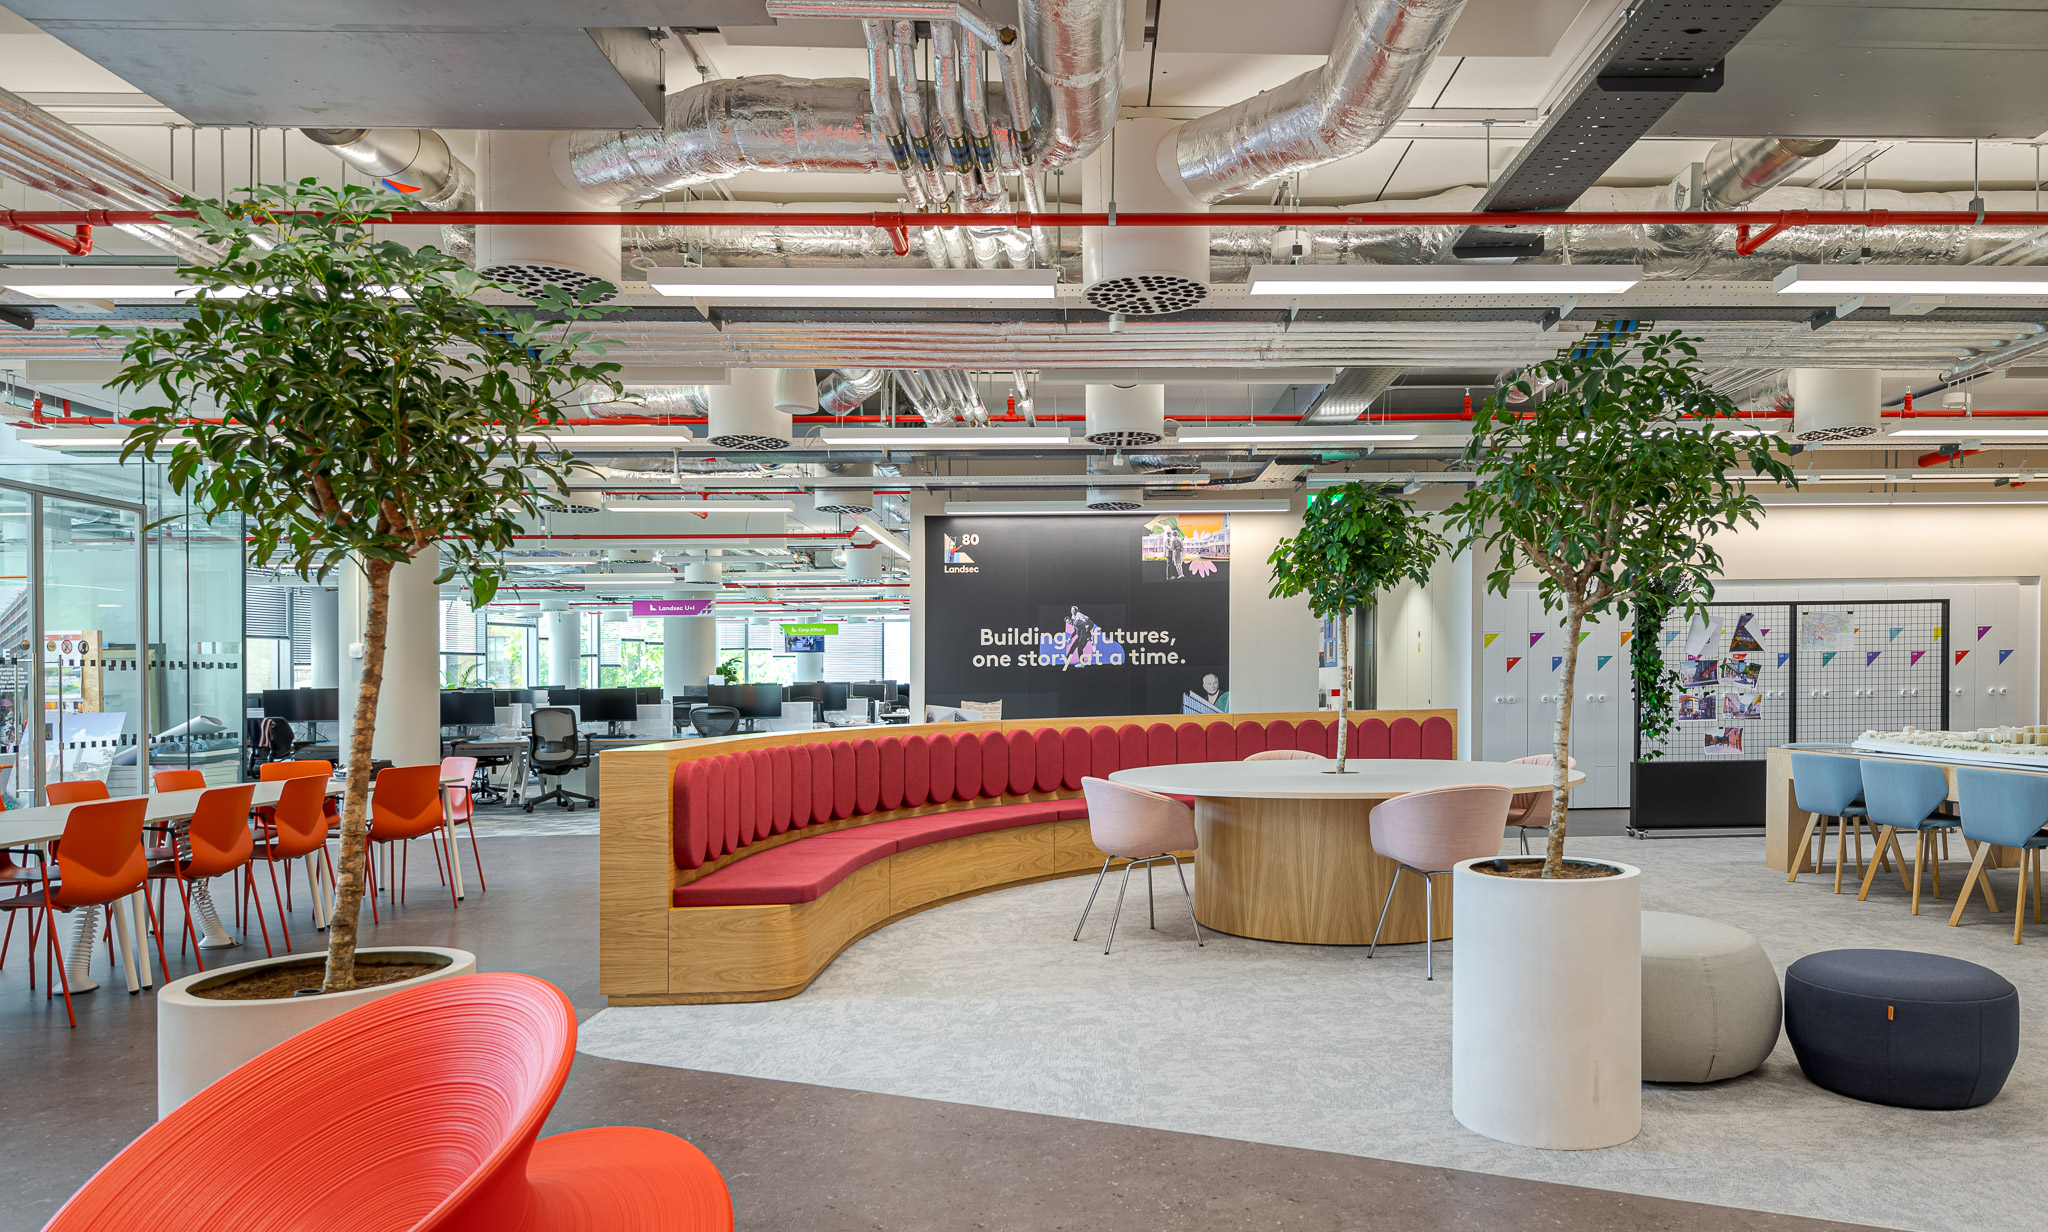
1520, 280
882, 535
1960, 430
615, 579
1248, 434
101, 282
1150, 507
699, 506
1848, 280
701, 283
943, 438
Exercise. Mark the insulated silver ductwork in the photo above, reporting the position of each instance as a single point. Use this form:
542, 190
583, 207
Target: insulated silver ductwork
1664, 252
1350, 395
686, 401
942, 395
842, 392
1383, 48
721, 128
46, 154
415, 162
1740, 169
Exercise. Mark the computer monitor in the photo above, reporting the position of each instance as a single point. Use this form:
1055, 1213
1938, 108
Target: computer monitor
883, 691
647, 695
753, 701
610, 705
693, 693
302, 705
834, 698
467, 708
565, 697
512, 697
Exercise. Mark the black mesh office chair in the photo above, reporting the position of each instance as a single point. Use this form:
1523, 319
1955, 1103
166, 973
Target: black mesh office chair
555, 748
715, 720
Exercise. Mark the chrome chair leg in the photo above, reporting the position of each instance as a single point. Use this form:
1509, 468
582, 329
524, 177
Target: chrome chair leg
1191, 902
1151, 901
1091, 898
1391, 887
1525, 840
1124, 885
1428, 927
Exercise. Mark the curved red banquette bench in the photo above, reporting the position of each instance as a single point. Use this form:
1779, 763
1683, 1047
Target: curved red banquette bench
785, 848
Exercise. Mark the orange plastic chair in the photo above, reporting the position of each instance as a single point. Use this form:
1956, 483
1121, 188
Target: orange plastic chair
462, 808
179, 780
298, 828
75, 791
440, 1091
98, 862
405, 805
220, 843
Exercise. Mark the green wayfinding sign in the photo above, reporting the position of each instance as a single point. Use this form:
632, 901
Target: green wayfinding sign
810, 630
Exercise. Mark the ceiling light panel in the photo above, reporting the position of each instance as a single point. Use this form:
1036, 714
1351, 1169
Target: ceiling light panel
730, 284
1846, 280
1478, 280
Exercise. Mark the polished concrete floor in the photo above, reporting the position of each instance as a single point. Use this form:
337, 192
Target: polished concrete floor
797, 1157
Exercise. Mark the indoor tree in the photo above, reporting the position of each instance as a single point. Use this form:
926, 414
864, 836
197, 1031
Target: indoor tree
1609, 474
1355, 542
356, 403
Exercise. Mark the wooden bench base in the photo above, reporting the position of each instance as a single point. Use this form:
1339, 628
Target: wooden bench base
768, 952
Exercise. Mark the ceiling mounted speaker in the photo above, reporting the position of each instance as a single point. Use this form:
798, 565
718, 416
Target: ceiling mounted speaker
743, 414
1835, 404
1141, 271
519, 171
1124, 416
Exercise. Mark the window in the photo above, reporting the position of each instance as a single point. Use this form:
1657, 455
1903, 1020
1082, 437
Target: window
509, 654
629, 653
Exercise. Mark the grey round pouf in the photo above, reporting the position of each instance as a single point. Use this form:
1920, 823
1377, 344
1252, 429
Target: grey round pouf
1711, 1006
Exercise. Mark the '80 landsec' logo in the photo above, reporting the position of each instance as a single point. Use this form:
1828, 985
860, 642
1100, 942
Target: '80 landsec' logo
957, 559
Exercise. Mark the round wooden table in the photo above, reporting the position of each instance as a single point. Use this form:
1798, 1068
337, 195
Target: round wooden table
1285, 848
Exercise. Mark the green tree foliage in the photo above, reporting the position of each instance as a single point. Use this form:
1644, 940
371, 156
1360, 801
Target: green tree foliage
358, 403
1609, 474
1355, 542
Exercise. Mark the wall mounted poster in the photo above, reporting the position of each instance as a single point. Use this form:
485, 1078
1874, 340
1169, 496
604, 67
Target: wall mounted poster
1060, 617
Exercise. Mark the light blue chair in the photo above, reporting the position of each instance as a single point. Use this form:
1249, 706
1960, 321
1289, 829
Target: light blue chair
1827, 787
2002, 809
1902, 795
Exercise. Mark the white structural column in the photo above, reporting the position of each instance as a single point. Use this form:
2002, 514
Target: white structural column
689, 650
408, 730
565, 647
326, 638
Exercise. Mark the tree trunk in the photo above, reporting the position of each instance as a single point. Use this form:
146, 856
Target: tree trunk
355, 829
1343, 682
1561, 742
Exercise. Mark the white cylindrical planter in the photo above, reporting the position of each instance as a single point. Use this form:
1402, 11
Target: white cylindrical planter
1547, 1008
199, 1040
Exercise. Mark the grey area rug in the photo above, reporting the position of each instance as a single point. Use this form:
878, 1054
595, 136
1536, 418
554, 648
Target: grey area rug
986, 1001
546, 819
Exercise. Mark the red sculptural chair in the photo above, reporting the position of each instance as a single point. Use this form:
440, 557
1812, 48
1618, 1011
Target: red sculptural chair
418, 1111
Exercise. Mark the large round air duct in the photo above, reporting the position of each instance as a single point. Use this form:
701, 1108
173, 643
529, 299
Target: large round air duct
1141, 271
847, 500
744, 413
863, 564
704, 573
1107, 499
1125, 416
1835, 404
517, 171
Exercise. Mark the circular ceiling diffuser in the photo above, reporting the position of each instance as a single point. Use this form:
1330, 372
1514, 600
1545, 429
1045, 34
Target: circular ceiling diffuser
1147, 295
1106, 502
1841, 432
531, 277
845, 504
746, 441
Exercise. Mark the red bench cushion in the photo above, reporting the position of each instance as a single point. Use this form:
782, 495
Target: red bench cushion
912, 832
795, 872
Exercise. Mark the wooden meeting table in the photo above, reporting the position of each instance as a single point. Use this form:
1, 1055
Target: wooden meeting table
44, 823
1285, 847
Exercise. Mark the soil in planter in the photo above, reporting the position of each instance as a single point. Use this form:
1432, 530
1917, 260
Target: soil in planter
1533, 869
287, 981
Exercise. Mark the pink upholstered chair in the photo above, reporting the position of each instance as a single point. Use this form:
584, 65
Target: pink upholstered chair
1426, 833
1286, 755
1139, 827
1530, 810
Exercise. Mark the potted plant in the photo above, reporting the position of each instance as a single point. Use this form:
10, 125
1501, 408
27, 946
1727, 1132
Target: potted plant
356, 404
1355, 542
1608, 475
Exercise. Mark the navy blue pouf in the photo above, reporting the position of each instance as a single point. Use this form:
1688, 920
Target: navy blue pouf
1901, 1028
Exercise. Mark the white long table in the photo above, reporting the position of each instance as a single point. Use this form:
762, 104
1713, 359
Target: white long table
44, 823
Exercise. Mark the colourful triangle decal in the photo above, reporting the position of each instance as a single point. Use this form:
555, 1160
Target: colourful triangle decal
2002, 655
1512, 660
1670, 636
1961, 655
1826, 657
1782, 656
1896, 630
1916, 657
1982, 630
1584, 636
1535, 638
1871, 657
1604, 661
1937, 633
397, 187
1763, 632
1625, 637
1556, 661
1490, 637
